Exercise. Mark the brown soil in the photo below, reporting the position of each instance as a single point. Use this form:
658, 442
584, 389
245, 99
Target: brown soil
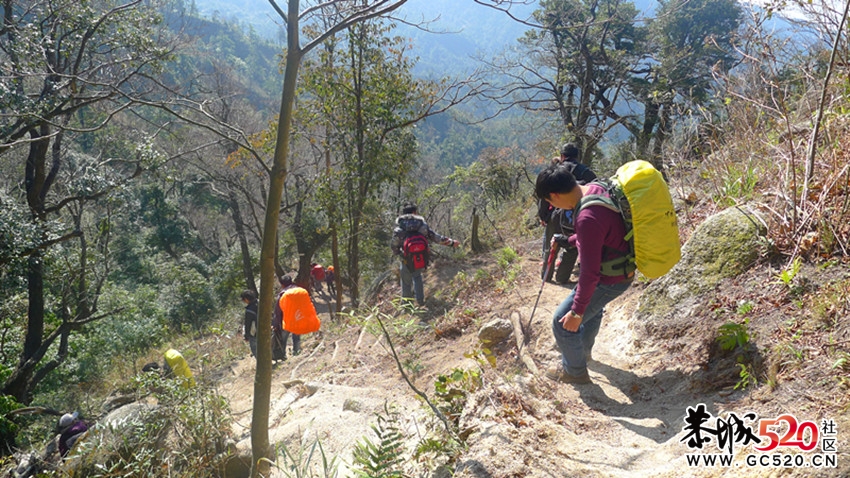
628, 422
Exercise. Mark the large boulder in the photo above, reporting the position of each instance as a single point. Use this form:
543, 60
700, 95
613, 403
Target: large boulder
723, 246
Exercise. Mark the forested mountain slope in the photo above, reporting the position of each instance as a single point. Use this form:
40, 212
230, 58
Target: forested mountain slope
139, 180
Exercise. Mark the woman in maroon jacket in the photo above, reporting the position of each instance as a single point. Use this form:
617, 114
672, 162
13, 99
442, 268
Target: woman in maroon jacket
600, 236
71, 428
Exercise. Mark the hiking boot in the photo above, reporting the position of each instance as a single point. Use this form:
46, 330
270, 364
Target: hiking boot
558, 374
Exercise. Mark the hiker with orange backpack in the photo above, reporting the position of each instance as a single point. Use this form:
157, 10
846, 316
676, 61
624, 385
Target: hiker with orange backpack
295, 315
621, 225
279, 335
411, 236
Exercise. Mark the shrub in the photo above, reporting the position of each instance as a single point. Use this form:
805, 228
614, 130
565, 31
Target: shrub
188, 298
183, 435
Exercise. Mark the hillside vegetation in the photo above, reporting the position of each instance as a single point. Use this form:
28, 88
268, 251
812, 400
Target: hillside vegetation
135, 184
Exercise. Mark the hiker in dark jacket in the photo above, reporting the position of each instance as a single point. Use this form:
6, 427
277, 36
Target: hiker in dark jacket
249, 326
410, 223
330, 280
559, 221
600, 236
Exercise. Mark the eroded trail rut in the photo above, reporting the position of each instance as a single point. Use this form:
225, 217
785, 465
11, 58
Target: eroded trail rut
627, 423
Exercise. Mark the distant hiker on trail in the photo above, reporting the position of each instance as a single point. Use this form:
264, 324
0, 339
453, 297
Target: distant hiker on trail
249, 326
317, 276
600, 236
330, 279
280, 336
410, 242
70, 429
559, 221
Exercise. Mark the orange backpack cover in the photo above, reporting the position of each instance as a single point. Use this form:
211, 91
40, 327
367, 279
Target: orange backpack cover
299, 314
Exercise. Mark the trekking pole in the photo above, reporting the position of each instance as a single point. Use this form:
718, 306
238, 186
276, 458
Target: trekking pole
553, 251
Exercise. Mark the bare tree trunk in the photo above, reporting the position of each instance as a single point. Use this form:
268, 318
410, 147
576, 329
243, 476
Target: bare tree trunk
354, 259
644, 137
476, 244
239, 225
661, 137
332, 212
810, 163
261, 451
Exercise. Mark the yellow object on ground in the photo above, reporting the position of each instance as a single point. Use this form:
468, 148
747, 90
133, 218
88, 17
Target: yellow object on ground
179, 367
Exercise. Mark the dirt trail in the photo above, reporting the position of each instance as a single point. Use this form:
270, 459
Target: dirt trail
627, 423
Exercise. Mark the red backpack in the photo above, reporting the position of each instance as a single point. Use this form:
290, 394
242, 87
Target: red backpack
415, 249
318, 272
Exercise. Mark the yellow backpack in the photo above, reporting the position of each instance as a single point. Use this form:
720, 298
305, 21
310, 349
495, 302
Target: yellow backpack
179, 367
639, 193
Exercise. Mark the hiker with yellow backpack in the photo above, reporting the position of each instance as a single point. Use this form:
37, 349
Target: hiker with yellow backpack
622, 224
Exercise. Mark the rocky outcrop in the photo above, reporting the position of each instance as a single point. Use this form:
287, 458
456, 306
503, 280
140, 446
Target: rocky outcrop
723, 246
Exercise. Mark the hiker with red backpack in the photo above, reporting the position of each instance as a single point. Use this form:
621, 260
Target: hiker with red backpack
559, 221
410, 242
624, 224
317, 276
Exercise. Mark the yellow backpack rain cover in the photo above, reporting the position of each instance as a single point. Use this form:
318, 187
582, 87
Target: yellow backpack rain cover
299, 314
654, 228
179, 367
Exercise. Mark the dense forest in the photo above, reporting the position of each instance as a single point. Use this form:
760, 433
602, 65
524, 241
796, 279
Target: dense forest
141, 149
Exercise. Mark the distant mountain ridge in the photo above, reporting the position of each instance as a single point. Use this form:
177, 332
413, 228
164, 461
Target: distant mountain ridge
453, 30
456, 30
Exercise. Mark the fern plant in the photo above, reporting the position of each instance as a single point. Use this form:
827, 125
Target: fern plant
733, 335
381, 458
748, 377
787, 275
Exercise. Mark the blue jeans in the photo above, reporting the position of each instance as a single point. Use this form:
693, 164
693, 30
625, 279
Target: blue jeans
576, 346
413, 279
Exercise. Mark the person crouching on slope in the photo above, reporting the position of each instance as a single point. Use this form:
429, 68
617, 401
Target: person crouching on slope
599, 236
